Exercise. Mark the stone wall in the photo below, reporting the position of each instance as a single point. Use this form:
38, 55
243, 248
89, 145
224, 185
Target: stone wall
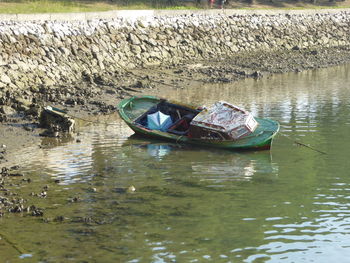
48, 51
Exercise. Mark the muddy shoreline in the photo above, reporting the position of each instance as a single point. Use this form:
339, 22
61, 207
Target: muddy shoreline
98, 94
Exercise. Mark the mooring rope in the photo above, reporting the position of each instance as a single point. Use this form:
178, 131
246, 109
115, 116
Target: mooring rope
302, 144
95, 122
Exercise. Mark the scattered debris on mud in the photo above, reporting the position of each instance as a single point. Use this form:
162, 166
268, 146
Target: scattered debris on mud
55, 121
10, 201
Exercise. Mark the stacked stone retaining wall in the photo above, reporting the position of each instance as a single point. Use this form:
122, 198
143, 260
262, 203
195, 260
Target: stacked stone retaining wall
48, 50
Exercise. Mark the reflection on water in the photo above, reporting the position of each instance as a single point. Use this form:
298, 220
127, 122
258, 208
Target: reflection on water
158, 151
216, 165
193, 204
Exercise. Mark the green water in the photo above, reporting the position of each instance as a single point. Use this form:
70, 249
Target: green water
198, 205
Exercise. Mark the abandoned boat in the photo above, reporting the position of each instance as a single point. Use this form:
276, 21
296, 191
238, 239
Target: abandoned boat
221, 125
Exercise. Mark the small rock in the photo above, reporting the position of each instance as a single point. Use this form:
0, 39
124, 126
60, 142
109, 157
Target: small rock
24, 102
93, 189
75, 199
16, 209
134, 39
131, 189
27, 128
257, 74
110, 91
5, 79
59, 219
28, 180
37, 212
43, 194
7, 110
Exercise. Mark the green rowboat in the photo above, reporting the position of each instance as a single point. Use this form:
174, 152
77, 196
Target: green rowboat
134, 111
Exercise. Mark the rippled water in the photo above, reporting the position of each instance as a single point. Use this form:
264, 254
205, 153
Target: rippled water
199, 205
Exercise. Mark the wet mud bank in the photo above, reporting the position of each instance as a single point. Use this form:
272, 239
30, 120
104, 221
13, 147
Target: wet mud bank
86, 60
86, 66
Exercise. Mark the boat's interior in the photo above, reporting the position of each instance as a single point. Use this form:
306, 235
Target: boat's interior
181, 116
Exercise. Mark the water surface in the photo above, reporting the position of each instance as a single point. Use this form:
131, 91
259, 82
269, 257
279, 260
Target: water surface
191, 204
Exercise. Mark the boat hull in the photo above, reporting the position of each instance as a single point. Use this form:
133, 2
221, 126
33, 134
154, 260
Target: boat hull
260, 139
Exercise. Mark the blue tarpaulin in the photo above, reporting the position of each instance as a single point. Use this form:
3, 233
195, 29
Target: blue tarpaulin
159, 121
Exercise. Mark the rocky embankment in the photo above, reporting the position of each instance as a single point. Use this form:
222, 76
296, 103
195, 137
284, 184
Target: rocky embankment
68, 61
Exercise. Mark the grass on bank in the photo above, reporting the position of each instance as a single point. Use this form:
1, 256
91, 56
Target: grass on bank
67, 6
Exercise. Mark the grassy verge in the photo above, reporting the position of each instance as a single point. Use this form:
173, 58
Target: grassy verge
66, 6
